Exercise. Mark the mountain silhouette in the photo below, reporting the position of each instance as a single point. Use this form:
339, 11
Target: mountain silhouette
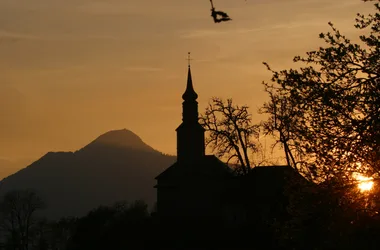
123, 139
116, 166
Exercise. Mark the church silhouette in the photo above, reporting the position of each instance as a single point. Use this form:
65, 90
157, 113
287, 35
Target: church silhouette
195, 183
201, 190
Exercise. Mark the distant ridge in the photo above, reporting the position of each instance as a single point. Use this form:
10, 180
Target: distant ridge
119, 138
117, 165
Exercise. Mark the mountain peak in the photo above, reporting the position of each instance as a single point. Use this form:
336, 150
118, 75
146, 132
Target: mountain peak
122, 138
115, 166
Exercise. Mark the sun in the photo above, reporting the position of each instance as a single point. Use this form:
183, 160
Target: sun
365, 183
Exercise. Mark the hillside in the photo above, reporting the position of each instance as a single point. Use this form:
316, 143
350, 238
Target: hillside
117, 165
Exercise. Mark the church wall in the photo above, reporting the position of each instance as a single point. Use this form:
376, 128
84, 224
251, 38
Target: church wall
191, 197
167, 201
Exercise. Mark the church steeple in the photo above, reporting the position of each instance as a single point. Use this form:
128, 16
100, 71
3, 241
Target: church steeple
190, 94
190, 104
190, 134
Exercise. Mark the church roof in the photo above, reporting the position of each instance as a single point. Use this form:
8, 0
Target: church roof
190, 94
209, 165
265, 184
274, 172
267, 178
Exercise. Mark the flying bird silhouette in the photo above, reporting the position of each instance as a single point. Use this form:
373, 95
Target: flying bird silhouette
219, 16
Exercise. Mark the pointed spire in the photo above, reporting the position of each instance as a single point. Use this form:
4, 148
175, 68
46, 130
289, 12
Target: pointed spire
190, 134
190, 94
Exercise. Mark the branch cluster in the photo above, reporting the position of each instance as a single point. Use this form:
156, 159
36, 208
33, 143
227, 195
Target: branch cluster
326, 114
231, 132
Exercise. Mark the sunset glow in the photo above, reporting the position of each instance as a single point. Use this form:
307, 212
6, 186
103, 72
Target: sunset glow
73, 70
365, 183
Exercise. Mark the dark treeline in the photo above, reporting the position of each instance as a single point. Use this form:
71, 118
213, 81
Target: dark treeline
317, 219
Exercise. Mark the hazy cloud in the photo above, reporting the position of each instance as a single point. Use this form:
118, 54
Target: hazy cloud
143, 69
14, 36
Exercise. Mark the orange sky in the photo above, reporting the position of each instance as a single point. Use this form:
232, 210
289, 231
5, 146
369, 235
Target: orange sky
71, 70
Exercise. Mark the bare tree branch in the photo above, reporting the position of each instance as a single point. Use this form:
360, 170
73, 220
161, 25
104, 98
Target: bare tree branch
231, 133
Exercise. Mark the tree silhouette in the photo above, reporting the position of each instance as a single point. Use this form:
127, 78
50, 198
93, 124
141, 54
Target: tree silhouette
17, 216
231, 133
119, 226
326, 114
59, 235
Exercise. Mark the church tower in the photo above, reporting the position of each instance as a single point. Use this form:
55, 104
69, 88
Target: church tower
193, 185
190, 134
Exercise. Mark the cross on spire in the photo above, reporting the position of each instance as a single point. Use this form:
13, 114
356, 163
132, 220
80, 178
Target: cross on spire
188, 59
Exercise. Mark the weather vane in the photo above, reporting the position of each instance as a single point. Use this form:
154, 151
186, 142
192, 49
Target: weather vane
188, 59
219, 16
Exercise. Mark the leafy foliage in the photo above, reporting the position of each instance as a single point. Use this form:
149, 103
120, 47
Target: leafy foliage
326, 113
